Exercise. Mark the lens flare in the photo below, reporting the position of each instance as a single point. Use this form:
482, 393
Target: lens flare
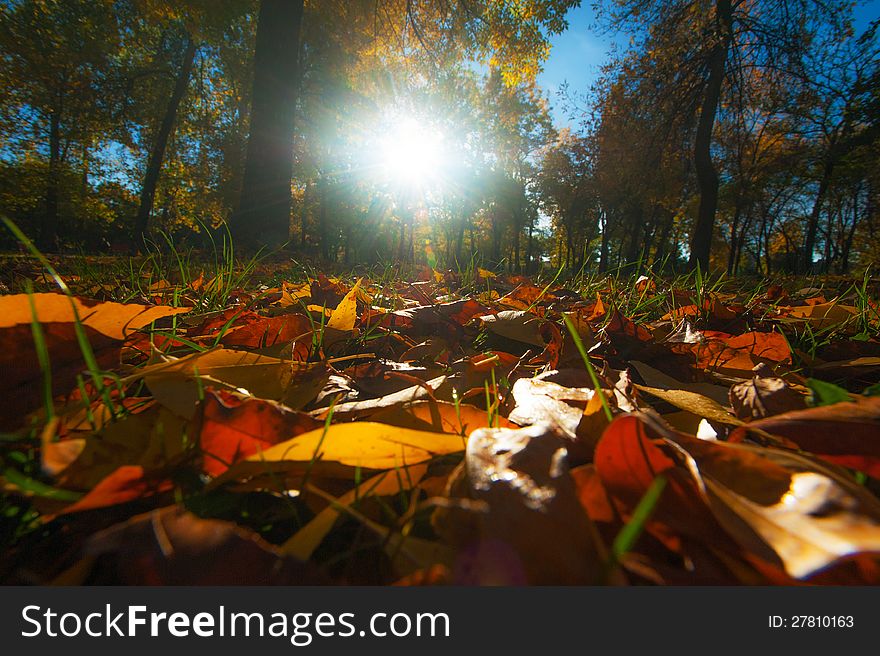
411, 153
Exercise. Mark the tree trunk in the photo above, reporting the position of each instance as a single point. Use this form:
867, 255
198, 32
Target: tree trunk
846, 247
160, 144
323, 218
303, 222
734, 239
806, 262
707, 177
263, 216
603, 249
529, 246
48, 237
662, 244
634, 244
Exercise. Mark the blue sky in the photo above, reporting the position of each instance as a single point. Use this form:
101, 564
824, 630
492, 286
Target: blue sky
578, 53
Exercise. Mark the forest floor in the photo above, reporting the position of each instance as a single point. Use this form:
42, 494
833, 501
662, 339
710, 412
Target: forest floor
184, 420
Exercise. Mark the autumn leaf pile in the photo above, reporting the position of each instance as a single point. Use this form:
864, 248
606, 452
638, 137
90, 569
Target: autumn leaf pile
379, 432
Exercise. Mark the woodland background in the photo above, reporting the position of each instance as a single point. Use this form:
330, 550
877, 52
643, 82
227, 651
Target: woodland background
742, 136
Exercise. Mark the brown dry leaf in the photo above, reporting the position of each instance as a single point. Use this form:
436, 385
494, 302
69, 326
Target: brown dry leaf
764, 396
304, 542
535, 403
440, 416
293, 294
170, 546
814, 519
739, 355
592, 424
105, 325
821, 315
696, 404
521, 521
847, 434
629, 457
357, 409
153, 440
519, 326
127, 483
522, 297
179, 383
783, 508
656, 378
254, 331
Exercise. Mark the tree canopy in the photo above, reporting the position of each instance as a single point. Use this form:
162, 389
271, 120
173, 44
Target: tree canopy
740, 137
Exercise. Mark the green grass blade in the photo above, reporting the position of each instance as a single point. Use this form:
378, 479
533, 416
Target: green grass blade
572, 329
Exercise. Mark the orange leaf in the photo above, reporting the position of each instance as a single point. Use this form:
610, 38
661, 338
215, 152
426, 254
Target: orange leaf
234, 428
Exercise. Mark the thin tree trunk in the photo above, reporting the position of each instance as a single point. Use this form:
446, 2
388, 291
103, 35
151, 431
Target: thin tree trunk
515, 263
847, 244
459, 240
603, 249
806, 262
634, 243
707, 177
662, 244
734, 238
48, 237
263, 216
529, 246
307, 196
160, 144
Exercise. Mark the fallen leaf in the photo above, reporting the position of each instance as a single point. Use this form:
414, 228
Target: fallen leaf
173, 547
533, 528
344, 316
337, 451
152, 440
846, 434
656, 378
105, 325
304, 542
519, 326
697, 404
440, 416
811, 522
179, 383
357, 409
764, 396
115, 320
125, 484
233, 427
822, 315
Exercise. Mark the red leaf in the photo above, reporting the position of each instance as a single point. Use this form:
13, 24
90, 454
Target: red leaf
628, 459
125, 484
234, 428
847, 434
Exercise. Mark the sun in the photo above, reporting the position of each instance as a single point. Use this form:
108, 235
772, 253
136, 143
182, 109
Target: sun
411, 153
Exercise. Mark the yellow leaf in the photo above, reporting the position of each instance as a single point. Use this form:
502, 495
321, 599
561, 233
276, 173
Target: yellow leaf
116, 320
177, 384
292, 294
823, 315
304, 542
364, 444
345, 314
484, 273
697, 404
